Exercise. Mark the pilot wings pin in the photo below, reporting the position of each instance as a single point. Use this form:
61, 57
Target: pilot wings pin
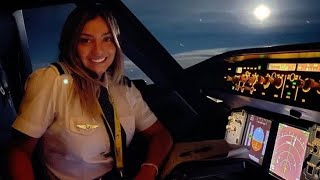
87, 126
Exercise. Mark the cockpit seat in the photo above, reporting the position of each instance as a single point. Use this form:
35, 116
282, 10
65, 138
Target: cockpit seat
11, 85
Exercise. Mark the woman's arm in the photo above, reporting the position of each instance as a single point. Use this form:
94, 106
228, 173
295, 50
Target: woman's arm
21, 149
160, 143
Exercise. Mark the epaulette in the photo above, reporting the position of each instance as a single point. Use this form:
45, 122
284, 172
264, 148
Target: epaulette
61, 69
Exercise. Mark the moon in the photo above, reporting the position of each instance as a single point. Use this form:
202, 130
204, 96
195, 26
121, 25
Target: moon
262, 12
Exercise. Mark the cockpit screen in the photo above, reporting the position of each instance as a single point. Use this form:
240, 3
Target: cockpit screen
289, 151
256, 137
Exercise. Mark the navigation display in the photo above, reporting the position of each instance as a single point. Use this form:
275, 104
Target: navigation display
289, 150
256, 137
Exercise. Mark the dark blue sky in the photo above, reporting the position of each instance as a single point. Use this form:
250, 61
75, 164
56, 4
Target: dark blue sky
189, 28
207, 24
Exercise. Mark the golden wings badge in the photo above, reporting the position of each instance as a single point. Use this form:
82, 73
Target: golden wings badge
87, 126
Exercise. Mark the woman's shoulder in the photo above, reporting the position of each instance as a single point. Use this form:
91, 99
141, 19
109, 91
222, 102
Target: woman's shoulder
54, 70
43, 72
45, 75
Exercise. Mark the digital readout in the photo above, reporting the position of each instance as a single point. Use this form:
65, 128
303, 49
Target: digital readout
282, 66
308, 67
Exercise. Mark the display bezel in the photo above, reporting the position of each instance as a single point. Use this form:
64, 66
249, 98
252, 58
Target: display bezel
304, 130
246, 129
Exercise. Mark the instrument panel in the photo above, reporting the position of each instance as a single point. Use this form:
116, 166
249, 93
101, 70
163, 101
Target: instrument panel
235, 127
296, 83
282, 148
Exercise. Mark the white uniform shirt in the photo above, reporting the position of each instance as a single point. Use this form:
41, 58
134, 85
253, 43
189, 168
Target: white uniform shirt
51, 110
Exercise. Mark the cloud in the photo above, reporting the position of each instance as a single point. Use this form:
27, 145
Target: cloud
190, 58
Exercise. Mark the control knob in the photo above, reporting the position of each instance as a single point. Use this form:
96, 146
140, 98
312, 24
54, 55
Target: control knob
265, 81
278, 82
308, 83
230, 118
243, 78
231, 128
252, 80
234, 79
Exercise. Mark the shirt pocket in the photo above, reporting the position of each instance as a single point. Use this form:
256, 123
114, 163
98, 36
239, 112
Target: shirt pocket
83, 126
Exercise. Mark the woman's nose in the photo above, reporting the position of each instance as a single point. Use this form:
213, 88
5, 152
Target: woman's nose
97, 48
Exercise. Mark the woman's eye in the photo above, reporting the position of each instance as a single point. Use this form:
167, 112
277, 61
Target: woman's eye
84, 40
108, 39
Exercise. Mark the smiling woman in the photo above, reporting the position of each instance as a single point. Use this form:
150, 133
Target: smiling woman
83, 111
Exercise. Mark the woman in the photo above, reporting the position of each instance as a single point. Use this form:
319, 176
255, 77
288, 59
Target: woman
64, 109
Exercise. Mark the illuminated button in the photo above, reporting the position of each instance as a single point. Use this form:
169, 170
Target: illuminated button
275, 95
287, 86
232, 87
288, 93
293, 87
244, 68
288, 97
251, 68
255, 68
294, 83
303, 100
65, 81
263, 93
229, 69
259, 67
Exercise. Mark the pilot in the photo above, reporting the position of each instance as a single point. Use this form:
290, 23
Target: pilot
81, 111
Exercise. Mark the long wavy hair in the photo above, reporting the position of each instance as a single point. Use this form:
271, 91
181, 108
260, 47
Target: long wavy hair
86, 82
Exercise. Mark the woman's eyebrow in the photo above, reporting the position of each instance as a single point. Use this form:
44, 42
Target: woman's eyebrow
107, 34
90, 35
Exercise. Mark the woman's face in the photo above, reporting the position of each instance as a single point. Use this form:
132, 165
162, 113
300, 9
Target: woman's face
96, 47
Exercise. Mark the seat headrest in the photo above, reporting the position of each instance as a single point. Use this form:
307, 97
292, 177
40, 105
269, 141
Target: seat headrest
9, 33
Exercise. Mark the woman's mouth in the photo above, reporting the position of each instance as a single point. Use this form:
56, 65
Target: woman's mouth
98, 60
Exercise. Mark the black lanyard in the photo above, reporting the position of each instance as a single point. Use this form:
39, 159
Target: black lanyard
109, 119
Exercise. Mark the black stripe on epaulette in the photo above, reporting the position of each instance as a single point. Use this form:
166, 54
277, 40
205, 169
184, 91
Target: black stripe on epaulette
58, 66
126, 81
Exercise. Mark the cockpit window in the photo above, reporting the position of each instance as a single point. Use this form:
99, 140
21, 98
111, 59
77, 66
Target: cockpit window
193, 31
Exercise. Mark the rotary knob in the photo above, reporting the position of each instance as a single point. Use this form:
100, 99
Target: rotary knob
265, 81
261, 80
234, 79
230, 118
252, 80
243, 78
230, 128
278, 82
308, 83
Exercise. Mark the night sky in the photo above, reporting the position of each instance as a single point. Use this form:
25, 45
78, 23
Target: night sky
191, 30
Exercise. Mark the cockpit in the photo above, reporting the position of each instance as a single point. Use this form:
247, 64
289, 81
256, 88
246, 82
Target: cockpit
242, 109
